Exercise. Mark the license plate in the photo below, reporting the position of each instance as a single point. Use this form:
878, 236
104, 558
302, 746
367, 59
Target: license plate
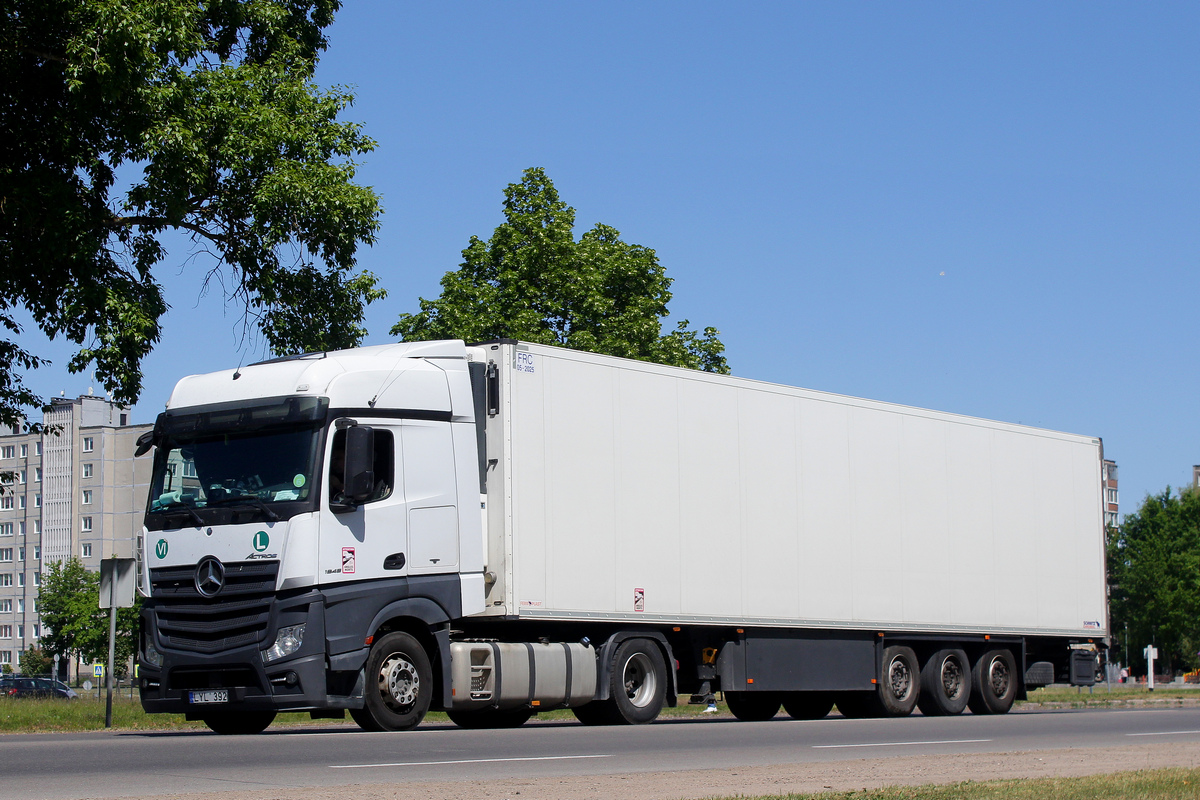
209, 696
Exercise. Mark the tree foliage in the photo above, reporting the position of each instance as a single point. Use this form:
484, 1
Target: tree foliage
35, 661
1154, 575
533, 281
124, 120
74, 625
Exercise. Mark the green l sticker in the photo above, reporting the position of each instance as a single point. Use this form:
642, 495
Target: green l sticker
261, 540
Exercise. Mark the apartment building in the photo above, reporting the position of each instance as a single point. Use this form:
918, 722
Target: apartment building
74, 492
1108, 477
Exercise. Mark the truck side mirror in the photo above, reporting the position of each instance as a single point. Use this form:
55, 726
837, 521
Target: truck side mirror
360, 464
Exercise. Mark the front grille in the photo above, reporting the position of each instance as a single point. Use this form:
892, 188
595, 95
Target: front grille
236, 617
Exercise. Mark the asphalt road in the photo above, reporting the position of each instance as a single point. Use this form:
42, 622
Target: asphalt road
131, 764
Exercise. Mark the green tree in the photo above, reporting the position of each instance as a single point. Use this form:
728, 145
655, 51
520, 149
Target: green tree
533, 281
35, 661
74, 625
1154, 579
125, 120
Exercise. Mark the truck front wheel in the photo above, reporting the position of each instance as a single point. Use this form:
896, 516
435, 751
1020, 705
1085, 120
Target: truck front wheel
399, 683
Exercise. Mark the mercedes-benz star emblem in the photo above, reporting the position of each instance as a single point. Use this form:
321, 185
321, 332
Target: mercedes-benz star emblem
210, 576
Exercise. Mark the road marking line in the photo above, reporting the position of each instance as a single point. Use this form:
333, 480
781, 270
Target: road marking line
898, 744
463, 761
1163, 733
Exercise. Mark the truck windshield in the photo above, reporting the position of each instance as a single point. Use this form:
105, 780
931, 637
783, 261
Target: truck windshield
260, 460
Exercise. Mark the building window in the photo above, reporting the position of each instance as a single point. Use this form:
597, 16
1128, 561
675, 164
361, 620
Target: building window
87, 524
37, 501
20, 606
5, 606
37, 448
87, 497
89, 444
124, 419
24, 451
37, 630
8, 451
33, 605
37, 579
37, 527
6, 502
20, 554
20, 631
37, 474
6, 555
6, 528
87, 549
37, 552
5, 579
22, 524
21, 476
20, 579
5, 631
87, 470
5, 656
21, 501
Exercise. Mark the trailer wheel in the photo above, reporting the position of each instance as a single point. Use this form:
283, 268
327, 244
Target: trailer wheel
239, 723
808, 705
638, 681
399, 683
900, 685
491, 718
994, 683
753, 706
945, 684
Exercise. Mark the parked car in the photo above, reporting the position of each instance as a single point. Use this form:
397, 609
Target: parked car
35, 687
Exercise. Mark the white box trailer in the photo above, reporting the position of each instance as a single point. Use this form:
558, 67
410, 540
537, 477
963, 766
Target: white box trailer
644, 532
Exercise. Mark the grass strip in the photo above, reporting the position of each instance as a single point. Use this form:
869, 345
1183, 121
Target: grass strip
1157, 784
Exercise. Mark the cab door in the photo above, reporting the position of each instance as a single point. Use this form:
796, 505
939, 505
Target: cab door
371, 541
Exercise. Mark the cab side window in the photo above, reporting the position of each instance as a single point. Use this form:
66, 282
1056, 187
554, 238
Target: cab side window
384, 466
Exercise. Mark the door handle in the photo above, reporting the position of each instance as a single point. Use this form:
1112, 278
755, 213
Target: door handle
394, 561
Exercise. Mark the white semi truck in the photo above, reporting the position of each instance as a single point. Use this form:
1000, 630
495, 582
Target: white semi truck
507, 528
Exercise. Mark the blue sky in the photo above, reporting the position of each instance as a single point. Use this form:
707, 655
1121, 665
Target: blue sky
989, 209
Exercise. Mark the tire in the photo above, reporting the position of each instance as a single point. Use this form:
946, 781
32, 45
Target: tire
239, 723
945, 684
399, 683
638, 682
364, 719
859, 705
491, 718
808, 705
900, 683
993, 683
753, 706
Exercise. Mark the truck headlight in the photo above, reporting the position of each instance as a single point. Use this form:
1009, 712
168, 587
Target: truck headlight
151, 656
287, 642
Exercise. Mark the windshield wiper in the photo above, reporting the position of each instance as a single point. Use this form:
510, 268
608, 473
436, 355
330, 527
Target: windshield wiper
246, 499
176, 506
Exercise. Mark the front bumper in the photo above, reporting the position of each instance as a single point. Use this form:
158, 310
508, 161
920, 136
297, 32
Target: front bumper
299, 682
